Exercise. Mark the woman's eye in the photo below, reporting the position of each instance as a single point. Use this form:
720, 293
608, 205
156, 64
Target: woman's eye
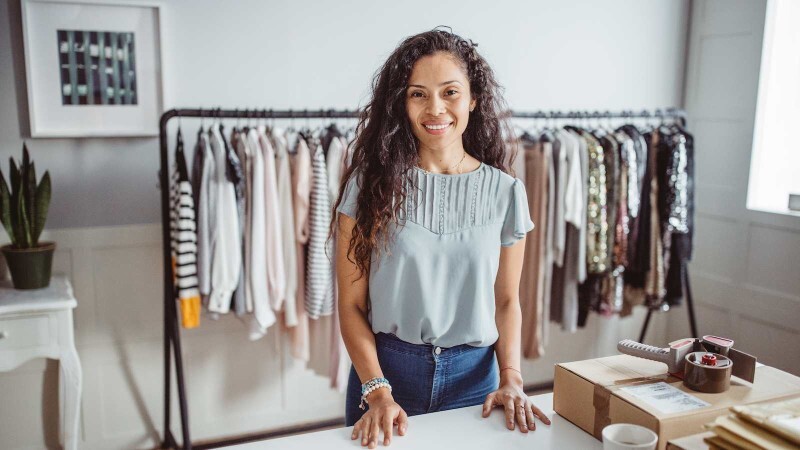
451, 92
416, 94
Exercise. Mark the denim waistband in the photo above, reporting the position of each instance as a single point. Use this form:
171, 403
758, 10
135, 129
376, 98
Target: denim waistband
391, 341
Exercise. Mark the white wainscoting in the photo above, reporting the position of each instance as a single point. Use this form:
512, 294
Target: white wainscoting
234, 386
745, 276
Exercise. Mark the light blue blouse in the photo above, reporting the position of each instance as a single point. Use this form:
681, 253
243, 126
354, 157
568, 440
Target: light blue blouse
436, 283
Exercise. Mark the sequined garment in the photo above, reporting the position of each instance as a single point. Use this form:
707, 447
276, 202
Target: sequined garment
627, 177
677, 178
597, 252
610, 302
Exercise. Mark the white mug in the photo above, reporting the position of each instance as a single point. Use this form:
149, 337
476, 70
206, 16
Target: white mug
626, 436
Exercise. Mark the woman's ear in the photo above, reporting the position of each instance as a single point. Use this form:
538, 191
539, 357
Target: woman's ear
472, 105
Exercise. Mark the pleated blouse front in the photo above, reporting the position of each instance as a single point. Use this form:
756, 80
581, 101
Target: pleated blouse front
435, 285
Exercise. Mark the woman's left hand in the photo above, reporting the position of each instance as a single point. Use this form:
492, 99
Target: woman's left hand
517, 406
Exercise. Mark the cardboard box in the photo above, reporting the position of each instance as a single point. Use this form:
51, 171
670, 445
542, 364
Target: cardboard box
625, 389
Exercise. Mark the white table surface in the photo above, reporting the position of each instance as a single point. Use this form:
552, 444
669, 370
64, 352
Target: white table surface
58, 295
462, 428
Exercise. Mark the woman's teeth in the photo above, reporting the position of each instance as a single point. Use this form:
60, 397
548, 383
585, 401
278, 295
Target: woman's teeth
437, 127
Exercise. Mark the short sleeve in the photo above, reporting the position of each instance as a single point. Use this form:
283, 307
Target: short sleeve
349, 204
518, 219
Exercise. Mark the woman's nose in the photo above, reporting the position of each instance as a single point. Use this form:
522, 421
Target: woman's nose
435, 106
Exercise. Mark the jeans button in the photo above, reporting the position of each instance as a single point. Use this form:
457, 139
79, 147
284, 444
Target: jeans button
437, 350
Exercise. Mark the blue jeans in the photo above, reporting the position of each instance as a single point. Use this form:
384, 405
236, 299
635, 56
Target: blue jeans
425, 381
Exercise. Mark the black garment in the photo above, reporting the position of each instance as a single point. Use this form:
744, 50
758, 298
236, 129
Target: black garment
589, 294
639, 261
681, 242
197, 169
640, 149
327, 137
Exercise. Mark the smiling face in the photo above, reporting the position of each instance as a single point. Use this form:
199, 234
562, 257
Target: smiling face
438, 102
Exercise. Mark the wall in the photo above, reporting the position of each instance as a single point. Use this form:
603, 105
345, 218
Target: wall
307, 54
744, 274
299, 54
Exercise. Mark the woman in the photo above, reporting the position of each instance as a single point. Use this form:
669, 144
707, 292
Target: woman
430, 245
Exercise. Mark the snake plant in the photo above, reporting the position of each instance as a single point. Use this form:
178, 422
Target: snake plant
23, 208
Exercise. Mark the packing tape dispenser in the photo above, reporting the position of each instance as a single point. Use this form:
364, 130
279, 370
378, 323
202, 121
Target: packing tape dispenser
704, 365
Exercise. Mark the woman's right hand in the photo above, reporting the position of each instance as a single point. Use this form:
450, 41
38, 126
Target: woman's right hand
383, 414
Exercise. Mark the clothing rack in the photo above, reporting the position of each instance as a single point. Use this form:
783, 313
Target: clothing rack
172, 338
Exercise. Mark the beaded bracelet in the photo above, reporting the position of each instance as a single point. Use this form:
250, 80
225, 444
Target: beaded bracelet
374, 387
370, 386
371, 382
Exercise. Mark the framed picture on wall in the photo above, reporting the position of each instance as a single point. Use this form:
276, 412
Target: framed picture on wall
93, 68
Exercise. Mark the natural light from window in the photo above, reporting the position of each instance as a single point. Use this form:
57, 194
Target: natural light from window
775, 162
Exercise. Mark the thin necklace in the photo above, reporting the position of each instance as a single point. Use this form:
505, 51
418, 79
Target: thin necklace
458, 164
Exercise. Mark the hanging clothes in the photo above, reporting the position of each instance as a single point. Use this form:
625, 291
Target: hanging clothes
245, 156
564, 307
333, 164
301, 199
276, 274
532, 279
184, 240
623, 200
654, 279
287, 225
226, 259
204, 175
235, 173
609, 302
319, 288
263, 316
676, 200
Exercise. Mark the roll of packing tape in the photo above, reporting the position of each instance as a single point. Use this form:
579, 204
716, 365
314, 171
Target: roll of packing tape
707, 372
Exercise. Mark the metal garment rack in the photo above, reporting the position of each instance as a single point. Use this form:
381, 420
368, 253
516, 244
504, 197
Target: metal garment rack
172, 338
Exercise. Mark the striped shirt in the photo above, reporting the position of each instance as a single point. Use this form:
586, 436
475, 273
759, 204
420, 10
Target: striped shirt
183, 237
319, 280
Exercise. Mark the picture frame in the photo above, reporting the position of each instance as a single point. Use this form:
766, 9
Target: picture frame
93, 68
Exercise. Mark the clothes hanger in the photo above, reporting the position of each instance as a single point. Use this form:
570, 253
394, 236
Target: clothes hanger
218, 113
546, 133
518, 131
246, 127
202, 121
575, 122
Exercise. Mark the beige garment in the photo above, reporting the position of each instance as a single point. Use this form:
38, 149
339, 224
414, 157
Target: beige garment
517, 167
301, 192
284, 174
532, 279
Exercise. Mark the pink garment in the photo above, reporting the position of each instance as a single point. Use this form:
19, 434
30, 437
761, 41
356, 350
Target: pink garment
301, 197
276, 274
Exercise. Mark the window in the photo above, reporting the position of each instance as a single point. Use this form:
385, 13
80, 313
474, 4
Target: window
775, 161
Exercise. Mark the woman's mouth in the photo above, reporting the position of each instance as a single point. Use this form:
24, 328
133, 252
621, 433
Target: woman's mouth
437, 128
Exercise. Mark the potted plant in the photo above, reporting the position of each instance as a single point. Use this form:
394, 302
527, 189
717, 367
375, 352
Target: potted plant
23, 211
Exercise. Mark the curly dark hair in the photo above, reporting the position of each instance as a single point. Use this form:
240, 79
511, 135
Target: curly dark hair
385, 148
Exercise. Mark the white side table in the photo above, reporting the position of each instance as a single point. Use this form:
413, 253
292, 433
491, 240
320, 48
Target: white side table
38, 323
